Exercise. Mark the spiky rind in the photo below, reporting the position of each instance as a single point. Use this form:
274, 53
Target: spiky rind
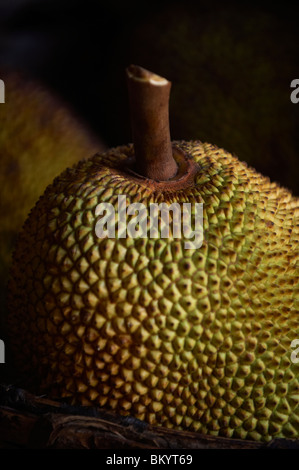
196, 339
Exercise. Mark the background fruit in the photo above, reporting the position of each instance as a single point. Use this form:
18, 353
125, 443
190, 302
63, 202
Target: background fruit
39, 137
194, 339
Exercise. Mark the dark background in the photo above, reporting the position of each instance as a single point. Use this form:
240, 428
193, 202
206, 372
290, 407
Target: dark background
231, 66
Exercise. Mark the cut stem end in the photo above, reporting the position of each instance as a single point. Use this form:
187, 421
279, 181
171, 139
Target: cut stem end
149, 102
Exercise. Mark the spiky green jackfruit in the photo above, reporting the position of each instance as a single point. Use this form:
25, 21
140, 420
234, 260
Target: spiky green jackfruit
196, 339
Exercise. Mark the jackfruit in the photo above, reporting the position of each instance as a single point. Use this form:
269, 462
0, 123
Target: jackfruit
197, 339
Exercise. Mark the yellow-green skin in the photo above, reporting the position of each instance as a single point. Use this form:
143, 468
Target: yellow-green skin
196, 339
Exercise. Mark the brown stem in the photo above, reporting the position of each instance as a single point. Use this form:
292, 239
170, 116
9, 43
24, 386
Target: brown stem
149, 99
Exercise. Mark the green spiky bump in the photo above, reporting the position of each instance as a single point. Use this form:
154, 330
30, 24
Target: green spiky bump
196, 339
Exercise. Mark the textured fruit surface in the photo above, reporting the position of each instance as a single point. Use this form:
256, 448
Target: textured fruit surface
39, 137
196, 339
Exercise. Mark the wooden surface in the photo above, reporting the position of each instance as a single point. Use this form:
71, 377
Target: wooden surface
27, 421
